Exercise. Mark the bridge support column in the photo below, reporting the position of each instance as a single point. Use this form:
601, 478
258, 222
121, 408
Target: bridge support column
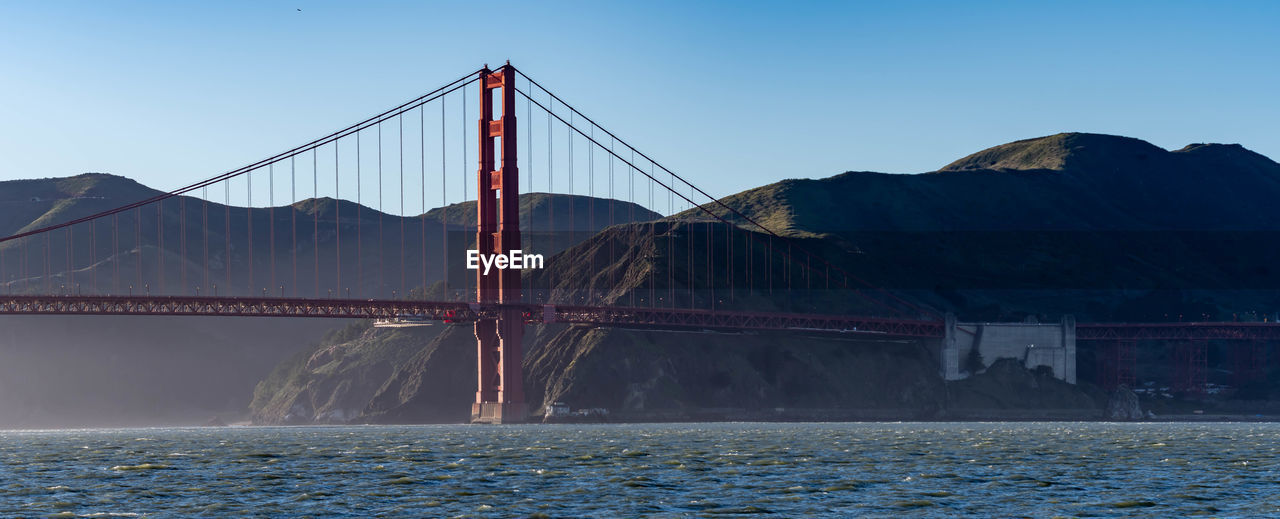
489, 350
1190, 366
1117, 364
1249, 362
500, 397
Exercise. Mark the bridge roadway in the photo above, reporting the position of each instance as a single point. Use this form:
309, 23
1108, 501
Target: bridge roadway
454, 311
630, 317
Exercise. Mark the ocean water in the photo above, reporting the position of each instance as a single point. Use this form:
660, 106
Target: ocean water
860, 469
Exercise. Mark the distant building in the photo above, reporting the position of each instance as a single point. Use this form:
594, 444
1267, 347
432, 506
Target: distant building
558, 409
1034, 344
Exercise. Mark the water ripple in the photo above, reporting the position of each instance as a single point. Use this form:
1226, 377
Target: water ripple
696, 470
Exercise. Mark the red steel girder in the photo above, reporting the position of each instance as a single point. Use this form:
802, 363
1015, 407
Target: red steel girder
1117, 364
1190, 367
1249, 361
1196, 331
452, 311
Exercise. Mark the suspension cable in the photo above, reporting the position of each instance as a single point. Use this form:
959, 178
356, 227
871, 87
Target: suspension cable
454, 85
691, 203
716, 200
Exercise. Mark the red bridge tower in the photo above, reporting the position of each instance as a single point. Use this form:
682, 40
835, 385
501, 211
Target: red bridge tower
500, 397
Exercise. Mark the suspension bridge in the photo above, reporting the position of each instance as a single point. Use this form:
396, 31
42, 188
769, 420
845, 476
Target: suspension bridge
375, 221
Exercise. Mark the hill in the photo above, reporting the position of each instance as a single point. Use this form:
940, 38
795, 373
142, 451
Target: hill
1133, 231
1103, 227
1085, 182
356, 249
82, 371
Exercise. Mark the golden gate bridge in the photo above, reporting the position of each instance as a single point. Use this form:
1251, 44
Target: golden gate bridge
707, 266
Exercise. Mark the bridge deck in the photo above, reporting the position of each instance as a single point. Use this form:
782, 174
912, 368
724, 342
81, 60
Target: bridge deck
453, 311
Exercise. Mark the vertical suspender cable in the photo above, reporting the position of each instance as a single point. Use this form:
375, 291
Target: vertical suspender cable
315, 219
93, 256
71, 271
790, 290
466, 228
551, 201
226, 231
422, 218
293, 220
591, 212
359, 239
573, 224
71, 263
382, 267
631, 189
137, 242
631, 205
444, 203
160, 245
115, 253
611, 220
204, 233
248, 216
671, 244
528, 130
612, 259
182, 244
728, 258
48, 280
271, 222
749, 253
400, 119
337, 225
689, 241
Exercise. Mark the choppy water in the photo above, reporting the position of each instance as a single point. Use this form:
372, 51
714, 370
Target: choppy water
984, 469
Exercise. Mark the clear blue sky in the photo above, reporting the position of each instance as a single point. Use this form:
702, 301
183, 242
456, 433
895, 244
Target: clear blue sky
731, 94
